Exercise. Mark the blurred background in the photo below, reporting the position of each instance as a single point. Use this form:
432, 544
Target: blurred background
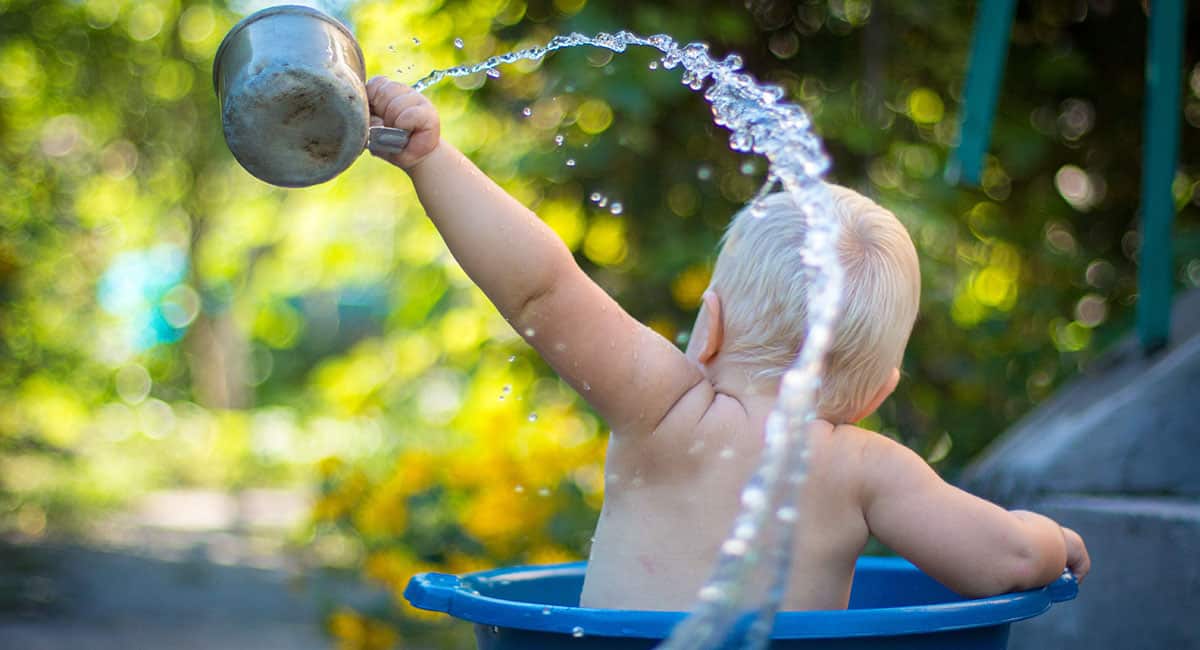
286, 402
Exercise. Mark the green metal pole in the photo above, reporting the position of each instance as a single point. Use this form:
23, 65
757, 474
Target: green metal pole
1160, 153
985, 69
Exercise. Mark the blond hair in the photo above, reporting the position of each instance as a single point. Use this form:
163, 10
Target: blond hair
760, 278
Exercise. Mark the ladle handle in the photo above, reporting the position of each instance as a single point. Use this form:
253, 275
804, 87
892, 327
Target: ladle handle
385, 141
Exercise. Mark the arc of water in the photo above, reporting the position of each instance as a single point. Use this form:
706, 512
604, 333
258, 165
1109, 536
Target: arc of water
759, 122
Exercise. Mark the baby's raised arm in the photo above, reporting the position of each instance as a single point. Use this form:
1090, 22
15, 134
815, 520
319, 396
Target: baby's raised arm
630, 374
972, 546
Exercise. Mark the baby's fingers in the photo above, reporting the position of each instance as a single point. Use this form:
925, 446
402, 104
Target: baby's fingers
398, 106
401, 104
375, 86
1078, 560
383, 92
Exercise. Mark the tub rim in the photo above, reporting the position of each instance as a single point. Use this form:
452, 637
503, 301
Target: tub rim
458, 597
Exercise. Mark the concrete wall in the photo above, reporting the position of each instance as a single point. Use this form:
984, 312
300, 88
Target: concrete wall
1116, 456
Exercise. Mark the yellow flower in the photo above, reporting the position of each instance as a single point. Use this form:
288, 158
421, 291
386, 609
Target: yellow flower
347, 627
552, 554
384, 514
392, 567
415, 472
329, 466
356, 632
458, 562
380, 636
503, 519
328, 508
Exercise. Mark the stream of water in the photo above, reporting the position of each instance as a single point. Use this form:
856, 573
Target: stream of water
733, 610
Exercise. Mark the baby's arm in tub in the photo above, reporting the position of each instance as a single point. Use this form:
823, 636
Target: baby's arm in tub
628, 372
971, 545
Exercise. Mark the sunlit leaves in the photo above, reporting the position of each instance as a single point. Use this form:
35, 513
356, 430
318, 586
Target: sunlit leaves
605, 243
21, 73
924, 106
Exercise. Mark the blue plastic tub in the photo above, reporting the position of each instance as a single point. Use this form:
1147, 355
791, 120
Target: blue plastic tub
893, 606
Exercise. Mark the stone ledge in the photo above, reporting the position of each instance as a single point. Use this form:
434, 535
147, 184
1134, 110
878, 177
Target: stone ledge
1127, 425
1145, 581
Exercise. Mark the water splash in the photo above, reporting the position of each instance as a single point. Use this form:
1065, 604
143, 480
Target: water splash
729, 612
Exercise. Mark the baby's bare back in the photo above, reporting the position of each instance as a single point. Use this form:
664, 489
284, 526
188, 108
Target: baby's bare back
671, 499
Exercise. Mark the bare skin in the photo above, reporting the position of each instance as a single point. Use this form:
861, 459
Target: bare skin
687, 426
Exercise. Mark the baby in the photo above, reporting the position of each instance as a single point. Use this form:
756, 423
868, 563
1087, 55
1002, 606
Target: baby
687, 427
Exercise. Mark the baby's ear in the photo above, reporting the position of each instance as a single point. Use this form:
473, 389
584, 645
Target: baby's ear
713, 324
885, 391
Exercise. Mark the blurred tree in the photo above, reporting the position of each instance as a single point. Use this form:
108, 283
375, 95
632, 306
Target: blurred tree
165, 319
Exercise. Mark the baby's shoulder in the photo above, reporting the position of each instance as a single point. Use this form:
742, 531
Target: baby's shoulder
862, 455
843, 453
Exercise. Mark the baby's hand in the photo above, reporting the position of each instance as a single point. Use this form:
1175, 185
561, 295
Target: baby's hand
1077, 556
399, 106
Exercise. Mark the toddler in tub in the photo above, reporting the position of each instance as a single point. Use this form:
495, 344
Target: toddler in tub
687, 427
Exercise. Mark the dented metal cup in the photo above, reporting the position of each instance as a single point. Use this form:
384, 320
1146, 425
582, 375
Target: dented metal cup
291, 83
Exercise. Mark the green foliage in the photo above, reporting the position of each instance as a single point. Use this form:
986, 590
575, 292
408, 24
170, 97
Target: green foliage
328, 325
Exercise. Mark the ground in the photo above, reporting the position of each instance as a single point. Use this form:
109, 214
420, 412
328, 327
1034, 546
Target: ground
182, 570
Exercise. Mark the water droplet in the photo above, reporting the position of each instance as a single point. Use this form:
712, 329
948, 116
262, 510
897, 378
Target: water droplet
533, 417
416, 41
734, 547
786, 514
711, 593
391, 47
493, 73
754, 498
704, 172
617, 208
529, 332
726, 453
748, 167
587, 386
458, 43
758, 209
512, 358
696, 447
544, 492
559, 139
603, 202
577, 632
595, 197
527, 111
653, 65
570, 162
545, 611
518, 488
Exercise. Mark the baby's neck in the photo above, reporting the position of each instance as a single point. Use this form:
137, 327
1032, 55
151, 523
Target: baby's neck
742, 381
